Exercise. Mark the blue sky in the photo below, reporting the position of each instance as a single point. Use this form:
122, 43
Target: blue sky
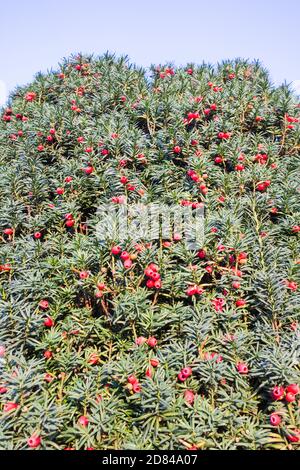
36, 34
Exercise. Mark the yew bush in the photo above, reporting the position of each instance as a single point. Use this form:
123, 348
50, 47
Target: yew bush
149, 345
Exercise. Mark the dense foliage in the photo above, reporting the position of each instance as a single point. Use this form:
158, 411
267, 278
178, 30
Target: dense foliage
150, 345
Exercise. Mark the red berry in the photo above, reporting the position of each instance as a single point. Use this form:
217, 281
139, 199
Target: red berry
125, 255
34, 441
48, 322
150, 283
293, 388
132, 379
8, 231
186, 372
88, 170
177, 149
70, 222
154, 362
189, 396
275, 419
290, 397
116, 250
83, 420
277, 393
236, 285
10, 405
44, 304
242, 368
140, 340
123, 180
295, 437
152, 342
48, 354
84, 274
127, 263
181, 378
136, 388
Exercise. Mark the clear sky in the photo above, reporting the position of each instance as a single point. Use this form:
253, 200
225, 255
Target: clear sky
36, 34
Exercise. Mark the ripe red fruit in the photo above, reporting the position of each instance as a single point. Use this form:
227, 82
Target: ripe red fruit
88, 170
70, 222
239, 167
37, 235
127, 263
8, 231
155, 276
192, 290
181, 378
136, 388
123, 179
293, 388
116, 250
132, 379
83, 420
201, 254
48, 354
189, 396
154, 362
177, 237
290, 397
84, 274
150, 283
48, 322
240, 303
152, 342
236, 285
125, 255
60, 191
275, 419
68, 179
177, 149
295, 437
44, 304
242, 368
10, 405
277, 393
30, 96
149, 272
140, 340
34, 441
186, 372
93, 359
